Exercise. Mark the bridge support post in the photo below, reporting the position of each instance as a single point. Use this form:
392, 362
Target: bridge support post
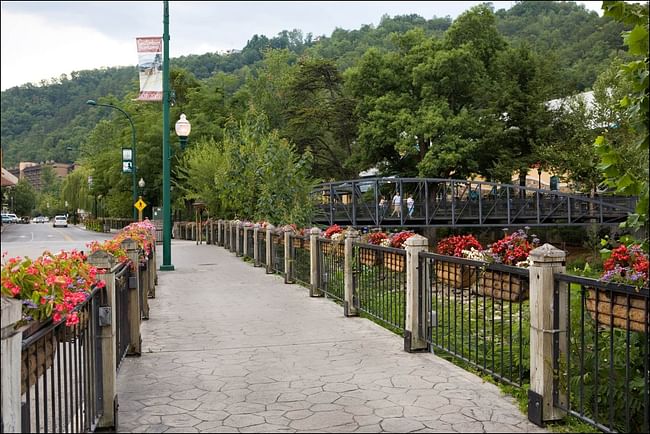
413, 341
314, 256
546, 335
349, 303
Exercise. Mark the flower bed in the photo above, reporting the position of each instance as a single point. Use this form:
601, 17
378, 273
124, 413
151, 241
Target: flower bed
371, 257
394, 261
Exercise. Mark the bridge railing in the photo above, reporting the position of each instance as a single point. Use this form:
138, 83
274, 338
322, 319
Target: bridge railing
449, 202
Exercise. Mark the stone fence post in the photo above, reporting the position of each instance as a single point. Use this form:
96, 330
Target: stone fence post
219, 241
288, 259
11, 347
546, 261
135, 294
105, 262
349, 305
412, 339
314, 233
256, 247
245, 250
269, 248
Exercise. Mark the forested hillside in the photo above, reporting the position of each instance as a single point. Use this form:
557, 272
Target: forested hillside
50, 121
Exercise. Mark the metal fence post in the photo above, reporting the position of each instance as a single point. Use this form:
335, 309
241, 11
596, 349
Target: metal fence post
105, 262
412, 339
269, 248
349, 306
10, 373
546, 261
314, 256
135, 292
288, 257
256, 247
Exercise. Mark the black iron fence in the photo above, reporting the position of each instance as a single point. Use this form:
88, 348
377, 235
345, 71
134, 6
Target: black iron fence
330, 268
477, 313
379, 283
123, 329
226, 236
602, 348
277, 253
261, 248
240, 241
61, 377
300, 270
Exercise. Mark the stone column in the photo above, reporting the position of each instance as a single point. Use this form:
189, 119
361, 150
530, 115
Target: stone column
288, 258
546, 261
135, 294
11, 346
269, 248
256, 247
314, 256
219, 223
105, 262
412, 339
245, 242
349, 305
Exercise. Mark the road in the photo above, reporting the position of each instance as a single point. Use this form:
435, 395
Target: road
34, 238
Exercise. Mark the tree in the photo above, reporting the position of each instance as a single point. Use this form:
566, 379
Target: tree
24, 198
618, 173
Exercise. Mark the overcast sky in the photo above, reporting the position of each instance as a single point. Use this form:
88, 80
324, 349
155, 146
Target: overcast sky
41, 40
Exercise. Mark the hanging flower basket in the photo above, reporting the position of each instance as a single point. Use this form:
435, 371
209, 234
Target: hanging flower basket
38, 358
503, 286
395, 262
617, 311
369, 257
455, 275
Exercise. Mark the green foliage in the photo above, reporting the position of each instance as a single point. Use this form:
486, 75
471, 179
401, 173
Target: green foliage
253, 174
24, 198
622, 177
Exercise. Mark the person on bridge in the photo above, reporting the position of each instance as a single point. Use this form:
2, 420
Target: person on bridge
383, 206
410, 205
397, 205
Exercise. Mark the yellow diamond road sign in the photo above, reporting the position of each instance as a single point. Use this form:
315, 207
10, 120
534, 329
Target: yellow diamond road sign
140, 205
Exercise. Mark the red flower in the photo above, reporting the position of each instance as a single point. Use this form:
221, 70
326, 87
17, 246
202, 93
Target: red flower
334, 229
455, 244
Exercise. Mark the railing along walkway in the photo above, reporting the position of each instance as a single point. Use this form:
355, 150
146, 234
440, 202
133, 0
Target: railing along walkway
232, 348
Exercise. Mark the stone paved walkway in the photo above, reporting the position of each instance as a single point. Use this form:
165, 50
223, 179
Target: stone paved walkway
231, 349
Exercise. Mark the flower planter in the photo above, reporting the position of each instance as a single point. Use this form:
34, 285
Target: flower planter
369, 257
334, 248
300, 243
619, 311
455, 275
503, 286
38, 358
394, 261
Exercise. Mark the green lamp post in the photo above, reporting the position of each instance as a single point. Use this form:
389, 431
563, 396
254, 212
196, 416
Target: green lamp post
133, 170
166, 190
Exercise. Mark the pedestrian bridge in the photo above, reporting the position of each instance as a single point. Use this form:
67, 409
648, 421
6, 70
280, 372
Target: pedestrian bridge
460, 203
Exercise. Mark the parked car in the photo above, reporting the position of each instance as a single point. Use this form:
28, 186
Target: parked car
24, 220
60, 220
39, 219
6, 219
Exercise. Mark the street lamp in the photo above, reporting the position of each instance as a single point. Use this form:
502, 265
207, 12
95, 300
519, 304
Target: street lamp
183, 128
133, 170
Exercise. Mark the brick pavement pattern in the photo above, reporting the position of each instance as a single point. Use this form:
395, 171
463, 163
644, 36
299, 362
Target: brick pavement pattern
229, 348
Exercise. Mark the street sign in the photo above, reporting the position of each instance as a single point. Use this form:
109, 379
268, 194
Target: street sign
140, 205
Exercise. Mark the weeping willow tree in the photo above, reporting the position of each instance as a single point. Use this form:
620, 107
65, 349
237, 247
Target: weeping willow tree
76, 191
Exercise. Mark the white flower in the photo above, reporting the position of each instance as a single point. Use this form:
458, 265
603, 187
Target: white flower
338, 236
524, 264
473, 254
385, 242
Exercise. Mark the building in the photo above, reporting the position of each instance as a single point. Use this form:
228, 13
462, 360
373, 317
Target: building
32, 172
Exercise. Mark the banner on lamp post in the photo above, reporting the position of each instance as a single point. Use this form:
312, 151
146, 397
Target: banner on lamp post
150, 68
127, 160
